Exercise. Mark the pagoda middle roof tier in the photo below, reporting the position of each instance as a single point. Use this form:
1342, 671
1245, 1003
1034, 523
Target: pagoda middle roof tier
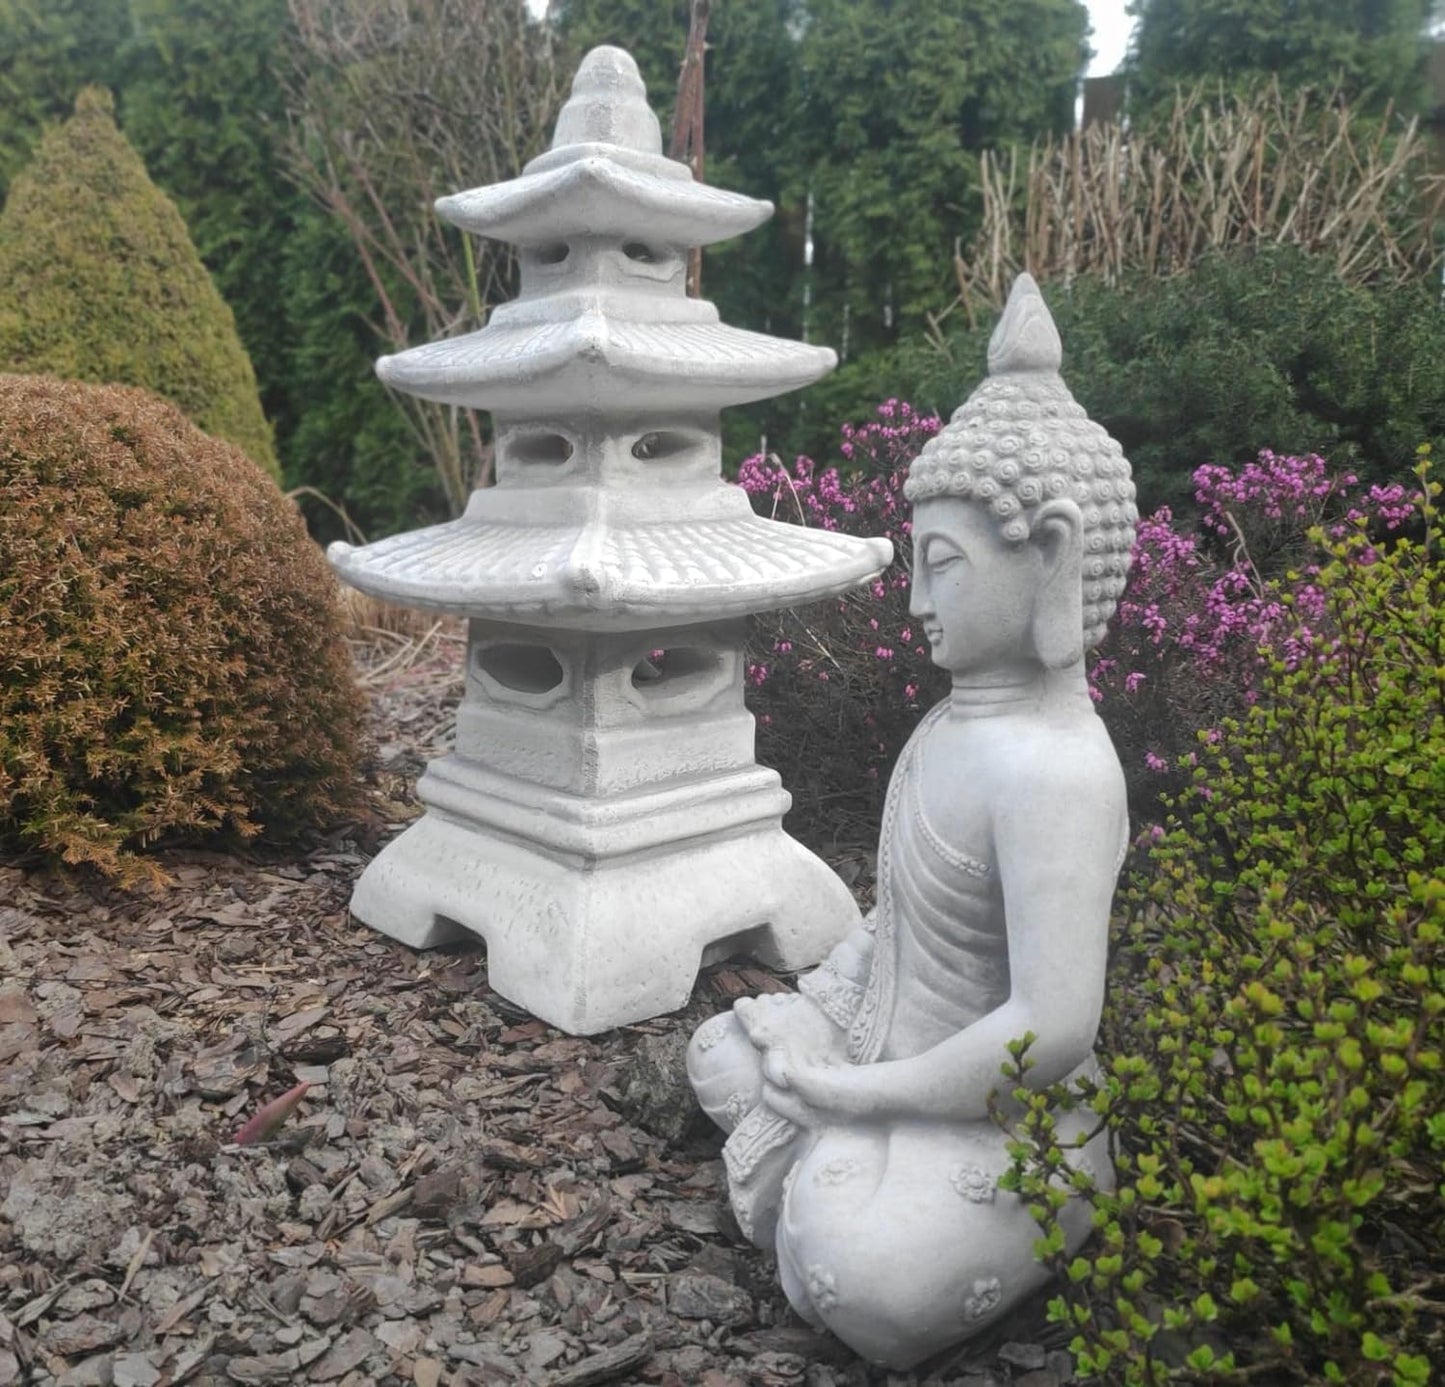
605, 575
604, 190
597, 362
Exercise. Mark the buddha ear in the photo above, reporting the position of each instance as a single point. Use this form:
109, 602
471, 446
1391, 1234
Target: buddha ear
1058, 618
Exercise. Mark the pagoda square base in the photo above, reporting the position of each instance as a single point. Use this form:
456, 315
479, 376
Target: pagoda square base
596, 913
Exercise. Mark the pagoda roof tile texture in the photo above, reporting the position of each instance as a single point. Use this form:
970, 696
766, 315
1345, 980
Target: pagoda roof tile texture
605, 175
598, 363
594, 329
592, 192
611, 577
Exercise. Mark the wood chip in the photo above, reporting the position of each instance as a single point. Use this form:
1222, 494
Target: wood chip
533, 1265
343, 1356
16, 1007
179, 1311
288, 1027
492, 1275
137, 1260
608, 1365
384, 1208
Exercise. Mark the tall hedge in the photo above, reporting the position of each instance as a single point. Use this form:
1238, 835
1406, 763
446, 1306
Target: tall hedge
200, 96
1373, 50
1247, 349
49, 50
99, 281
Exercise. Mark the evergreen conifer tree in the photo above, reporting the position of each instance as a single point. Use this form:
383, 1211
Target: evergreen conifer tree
1372, 51
99, 281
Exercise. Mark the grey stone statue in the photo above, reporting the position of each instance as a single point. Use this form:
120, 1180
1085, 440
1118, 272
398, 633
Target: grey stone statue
601, 821
861, 1145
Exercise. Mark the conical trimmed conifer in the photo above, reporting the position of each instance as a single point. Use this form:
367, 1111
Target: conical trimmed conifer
99, 281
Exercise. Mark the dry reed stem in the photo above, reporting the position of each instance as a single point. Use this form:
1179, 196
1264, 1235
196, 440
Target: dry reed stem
392, 103
388, 640
1223, 172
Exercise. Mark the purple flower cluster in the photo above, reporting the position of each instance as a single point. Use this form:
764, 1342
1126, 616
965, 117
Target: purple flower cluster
1207, 607
837, 686
867, 499
1281, 488
1206, 612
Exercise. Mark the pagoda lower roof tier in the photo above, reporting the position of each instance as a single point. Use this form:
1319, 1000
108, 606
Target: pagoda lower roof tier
611, 577
605, 365
589, 190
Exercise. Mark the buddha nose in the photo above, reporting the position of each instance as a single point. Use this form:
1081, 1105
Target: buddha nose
919, 602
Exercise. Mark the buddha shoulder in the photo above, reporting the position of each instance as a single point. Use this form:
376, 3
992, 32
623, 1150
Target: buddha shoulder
1074, 761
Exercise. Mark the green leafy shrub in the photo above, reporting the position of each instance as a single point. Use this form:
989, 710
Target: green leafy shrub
1274, 1027
171, 659
1265, 346
99, 281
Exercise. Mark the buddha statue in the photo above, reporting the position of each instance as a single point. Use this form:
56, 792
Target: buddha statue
861, 1145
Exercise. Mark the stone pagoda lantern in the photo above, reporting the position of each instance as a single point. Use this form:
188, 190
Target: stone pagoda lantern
602, 823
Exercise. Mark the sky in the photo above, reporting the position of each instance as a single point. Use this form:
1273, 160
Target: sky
1110, 37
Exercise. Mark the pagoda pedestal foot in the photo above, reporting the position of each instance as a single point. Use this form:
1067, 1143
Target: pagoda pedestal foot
619, 941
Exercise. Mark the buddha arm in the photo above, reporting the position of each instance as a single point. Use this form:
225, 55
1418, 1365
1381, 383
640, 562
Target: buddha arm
853, 957
835, 987
1056, 837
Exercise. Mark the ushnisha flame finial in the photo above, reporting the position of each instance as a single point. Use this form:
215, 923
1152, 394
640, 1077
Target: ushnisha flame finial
608, 105
1025, 338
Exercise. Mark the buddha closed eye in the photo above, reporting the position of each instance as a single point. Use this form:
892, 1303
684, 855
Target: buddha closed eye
941, 555
974, 591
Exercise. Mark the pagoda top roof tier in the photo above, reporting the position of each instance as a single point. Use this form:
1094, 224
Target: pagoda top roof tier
605, 175
593, 567
524, 364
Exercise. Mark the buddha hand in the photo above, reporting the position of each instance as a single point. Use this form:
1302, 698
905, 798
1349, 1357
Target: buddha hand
791, 1022
816, 1094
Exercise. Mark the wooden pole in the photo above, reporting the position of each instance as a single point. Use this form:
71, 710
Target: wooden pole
687, 121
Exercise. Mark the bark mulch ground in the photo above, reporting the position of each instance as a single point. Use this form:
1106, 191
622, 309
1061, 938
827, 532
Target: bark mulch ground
465, 1196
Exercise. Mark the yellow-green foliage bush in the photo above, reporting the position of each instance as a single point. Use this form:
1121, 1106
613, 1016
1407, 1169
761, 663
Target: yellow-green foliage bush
99, 281
1274, 1033
171, 658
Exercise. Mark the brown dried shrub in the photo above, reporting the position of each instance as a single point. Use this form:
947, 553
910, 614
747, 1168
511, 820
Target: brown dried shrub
171, 660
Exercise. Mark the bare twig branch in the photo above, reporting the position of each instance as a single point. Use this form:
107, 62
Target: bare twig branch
392, 104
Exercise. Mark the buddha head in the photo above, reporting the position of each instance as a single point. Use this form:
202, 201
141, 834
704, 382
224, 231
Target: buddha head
1024, 511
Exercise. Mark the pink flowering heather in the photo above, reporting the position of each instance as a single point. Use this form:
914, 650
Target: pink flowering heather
843, 682
1205, 612
839, 686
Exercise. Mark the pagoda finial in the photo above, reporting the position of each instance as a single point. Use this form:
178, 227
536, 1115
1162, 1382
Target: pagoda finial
608, 105
1025, 338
